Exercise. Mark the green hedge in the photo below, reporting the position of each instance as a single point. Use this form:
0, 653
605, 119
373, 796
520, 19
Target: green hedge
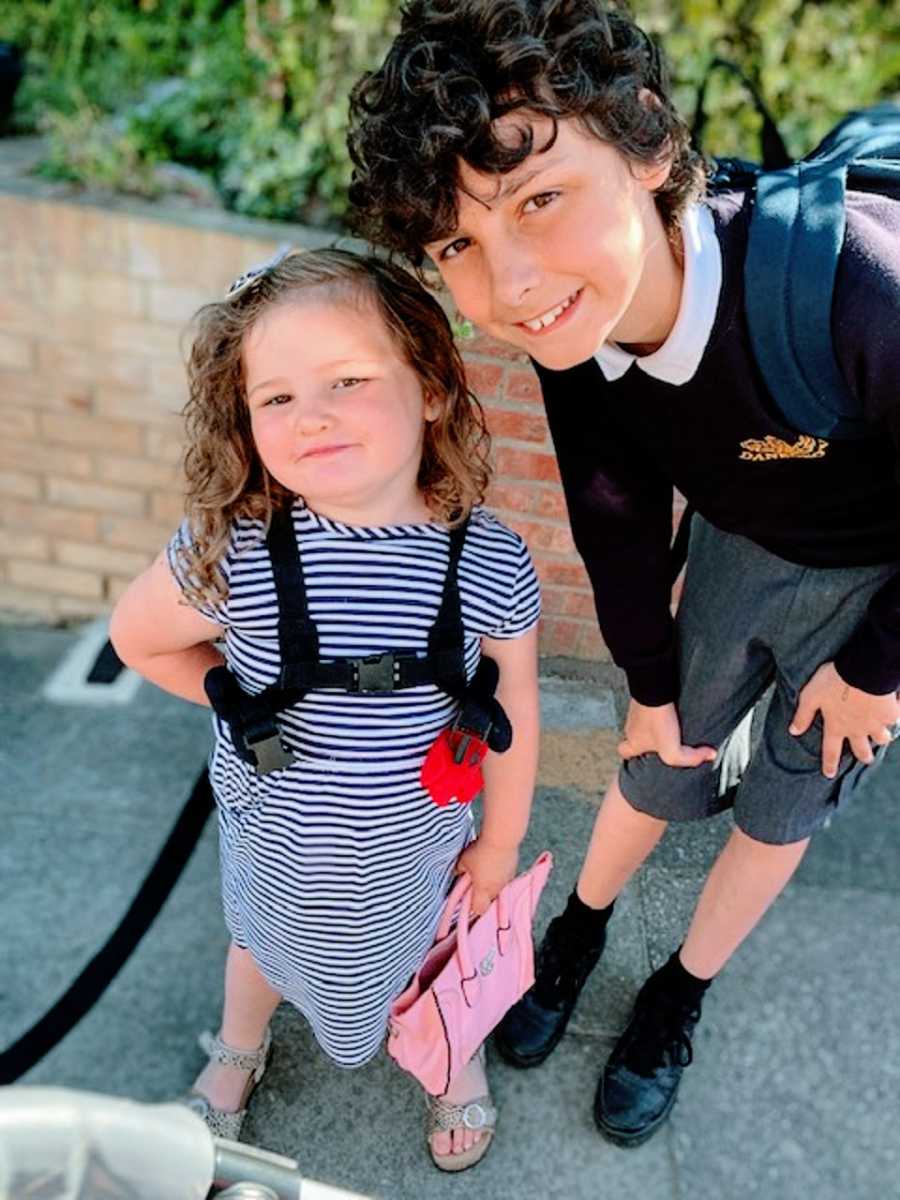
811, 61
253, 92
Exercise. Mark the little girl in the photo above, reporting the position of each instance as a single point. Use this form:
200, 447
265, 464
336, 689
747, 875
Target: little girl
336, 545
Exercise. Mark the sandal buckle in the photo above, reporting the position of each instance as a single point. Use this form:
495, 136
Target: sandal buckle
476, 1121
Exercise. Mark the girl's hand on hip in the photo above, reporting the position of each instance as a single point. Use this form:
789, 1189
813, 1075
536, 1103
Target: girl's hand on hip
490, 868
848, 714
657, 730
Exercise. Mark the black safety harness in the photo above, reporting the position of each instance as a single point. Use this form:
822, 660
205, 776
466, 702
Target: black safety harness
252, 719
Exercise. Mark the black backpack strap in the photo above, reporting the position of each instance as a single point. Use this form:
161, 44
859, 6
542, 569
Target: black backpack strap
301, 668
796, 236
481, 712
298, 640
774, 152
250, 718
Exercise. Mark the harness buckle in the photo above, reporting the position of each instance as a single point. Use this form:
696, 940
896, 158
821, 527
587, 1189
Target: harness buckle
376, 673
474, 722
270, 754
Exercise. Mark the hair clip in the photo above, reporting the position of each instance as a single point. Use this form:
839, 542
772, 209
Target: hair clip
255, 274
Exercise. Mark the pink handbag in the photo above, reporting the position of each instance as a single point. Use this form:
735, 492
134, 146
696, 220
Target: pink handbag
470, 978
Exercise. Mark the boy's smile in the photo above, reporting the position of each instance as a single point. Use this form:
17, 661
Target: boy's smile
565, 252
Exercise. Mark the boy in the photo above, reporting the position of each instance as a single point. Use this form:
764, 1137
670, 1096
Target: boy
532, 150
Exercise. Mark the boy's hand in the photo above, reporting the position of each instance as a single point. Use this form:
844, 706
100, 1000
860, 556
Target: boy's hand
657, 730
490, 868
847, 714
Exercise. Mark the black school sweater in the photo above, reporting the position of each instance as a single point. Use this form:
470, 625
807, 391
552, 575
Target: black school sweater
720, 439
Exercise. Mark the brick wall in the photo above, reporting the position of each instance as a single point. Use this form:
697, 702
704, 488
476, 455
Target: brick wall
91, 312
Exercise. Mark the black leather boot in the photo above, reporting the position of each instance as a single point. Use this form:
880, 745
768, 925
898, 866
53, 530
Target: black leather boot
639, 1084
533, 1027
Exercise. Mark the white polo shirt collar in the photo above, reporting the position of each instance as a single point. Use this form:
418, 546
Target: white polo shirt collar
678, 358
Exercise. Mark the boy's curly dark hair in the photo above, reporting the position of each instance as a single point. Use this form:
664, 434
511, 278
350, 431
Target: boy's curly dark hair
458, 65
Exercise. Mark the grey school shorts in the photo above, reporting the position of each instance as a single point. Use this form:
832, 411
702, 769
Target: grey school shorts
748, 621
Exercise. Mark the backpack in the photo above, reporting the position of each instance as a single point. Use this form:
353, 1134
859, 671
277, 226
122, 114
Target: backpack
795, 238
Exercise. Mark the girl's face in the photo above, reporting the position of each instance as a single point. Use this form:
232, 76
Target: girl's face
564, 252
337, 414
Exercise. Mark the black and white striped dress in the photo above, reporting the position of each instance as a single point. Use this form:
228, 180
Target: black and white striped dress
334, 870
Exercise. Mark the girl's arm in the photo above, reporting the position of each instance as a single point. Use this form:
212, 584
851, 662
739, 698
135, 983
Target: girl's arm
156, 633
509, 778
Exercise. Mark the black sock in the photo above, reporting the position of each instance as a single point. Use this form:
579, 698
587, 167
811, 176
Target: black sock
678, 981
585, 924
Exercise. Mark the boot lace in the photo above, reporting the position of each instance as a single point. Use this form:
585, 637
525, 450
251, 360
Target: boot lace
562, 968
659, 1034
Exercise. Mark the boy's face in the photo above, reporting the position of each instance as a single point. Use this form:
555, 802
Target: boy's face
564, 252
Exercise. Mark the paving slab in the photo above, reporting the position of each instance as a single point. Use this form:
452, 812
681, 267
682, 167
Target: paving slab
861, 846
576, 704
140, 1038
691, 847
104, 758
793, 1092
89, 798
364, 1130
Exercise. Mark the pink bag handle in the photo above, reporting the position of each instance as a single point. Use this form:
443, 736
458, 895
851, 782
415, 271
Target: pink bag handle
461, 895
459, 889
457, 897
469, 981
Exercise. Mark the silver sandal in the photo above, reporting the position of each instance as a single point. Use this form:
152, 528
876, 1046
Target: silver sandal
442, 1116
219, 1122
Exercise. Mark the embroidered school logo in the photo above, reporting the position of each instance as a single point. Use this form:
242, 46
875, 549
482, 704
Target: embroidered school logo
769, 448
487, 963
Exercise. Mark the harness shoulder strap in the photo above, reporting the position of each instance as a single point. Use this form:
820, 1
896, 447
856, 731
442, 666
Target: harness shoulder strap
298, 639
446, 638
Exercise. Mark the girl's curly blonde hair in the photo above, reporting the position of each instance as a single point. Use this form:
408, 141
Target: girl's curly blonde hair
225, 477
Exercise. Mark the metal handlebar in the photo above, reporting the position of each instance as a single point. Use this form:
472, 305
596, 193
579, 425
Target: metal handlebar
60, 1144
